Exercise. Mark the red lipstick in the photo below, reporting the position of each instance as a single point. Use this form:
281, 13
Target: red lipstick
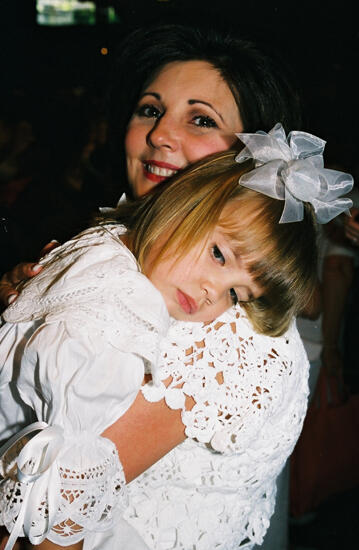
157, 171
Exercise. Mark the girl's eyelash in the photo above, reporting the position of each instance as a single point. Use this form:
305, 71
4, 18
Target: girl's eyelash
233, 296
217, 254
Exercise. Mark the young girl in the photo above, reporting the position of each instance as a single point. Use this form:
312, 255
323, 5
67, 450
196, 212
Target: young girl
77, 343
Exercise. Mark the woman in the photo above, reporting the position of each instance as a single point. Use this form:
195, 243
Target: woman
187, 106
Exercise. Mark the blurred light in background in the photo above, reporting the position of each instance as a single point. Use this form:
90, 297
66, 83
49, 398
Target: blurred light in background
61, 13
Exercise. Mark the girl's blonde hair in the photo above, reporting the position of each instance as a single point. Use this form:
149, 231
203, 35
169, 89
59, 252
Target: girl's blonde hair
183, 212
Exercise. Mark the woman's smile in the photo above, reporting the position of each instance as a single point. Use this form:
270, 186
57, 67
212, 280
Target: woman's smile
158, 171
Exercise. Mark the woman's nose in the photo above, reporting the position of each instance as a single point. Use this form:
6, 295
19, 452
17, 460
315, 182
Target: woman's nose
164, 134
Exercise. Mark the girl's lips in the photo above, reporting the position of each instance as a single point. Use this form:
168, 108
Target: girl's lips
187, 303
157, 171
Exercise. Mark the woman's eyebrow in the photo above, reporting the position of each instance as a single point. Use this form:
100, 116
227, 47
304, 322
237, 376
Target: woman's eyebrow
193, 101
154, 94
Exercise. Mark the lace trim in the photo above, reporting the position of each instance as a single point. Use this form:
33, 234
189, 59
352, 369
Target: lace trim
91, 498
234, 377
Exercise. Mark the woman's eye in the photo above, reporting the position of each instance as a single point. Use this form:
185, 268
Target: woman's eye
233, 296
217, 255
148, 111
204, 121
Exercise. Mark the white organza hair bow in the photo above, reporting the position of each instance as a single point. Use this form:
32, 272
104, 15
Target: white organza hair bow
292, 169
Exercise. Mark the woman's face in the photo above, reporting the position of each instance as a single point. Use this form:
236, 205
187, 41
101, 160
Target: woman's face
186, 113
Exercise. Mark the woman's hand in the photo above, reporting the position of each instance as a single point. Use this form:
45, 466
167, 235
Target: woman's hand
20, 273
10, 280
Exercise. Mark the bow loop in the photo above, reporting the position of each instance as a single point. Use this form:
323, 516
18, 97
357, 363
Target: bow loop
302, 179
262, 147
292, 169
265, 179
304, 145
39, 455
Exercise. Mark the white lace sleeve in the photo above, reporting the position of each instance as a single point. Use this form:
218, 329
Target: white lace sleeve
59, 497
237, 379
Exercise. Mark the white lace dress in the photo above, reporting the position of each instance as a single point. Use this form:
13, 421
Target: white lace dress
217, 489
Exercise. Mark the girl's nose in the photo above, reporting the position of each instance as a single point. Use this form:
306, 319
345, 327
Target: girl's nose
164, 134
213, 291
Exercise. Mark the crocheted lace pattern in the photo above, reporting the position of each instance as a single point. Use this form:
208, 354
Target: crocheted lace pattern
248, 396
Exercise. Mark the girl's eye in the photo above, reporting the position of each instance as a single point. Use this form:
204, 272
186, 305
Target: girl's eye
217, 255
204, 121
148, 111
233, 296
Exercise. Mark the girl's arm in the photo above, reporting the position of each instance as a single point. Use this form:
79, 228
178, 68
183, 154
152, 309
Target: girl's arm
145, 433
47, 545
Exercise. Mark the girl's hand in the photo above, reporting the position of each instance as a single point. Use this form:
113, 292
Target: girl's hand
352, 227
20, 273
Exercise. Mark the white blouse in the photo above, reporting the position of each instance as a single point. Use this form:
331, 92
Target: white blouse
84, 342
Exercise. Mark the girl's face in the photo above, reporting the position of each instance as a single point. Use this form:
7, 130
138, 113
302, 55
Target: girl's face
185, 114
205, 282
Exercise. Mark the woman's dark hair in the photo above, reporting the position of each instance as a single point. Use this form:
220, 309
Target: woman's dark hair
260, 82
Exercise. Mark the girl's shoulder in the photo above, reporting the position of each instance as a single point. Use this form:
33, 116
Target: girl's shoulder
92, 270
92, 245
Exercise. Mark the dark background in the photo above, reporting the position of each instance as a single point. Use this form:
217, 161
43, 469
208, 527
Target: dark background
321, 42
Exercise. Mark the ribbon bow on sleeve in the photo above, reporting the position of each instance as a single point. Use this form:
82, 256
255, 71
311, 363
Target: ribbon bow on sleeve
41, 451
292, 169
